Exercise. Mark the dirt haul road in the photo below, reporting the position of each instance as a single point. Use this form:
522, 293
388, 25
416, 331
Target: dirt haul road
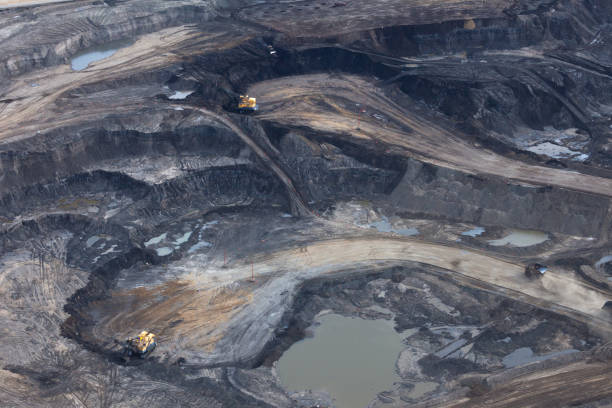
344, 106
298, 207
210, 307
35, 97
337, 254
217, 310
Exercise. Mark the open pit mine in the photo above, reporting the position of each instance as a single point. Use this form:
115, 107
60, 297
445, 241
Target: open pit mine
316, 203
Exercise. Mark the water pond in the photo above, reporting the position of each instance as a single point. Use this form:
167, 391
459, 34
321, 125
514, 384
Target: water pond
353, 359
83, 58
521, 238
525, 355
385, 226
474, 232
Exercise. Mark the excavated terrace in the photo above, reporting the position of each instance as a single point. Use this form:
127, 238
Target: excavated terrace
408, 160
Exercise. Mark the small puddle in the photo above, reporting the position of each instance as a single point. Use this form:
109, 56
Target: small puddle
164, 251
180, 95
557, 152
604, 260
83, 58
184, 238
199, 245
525, 355
474, 232
353, 359
92, 240
407, 232
521, 238
385, 226
156, 240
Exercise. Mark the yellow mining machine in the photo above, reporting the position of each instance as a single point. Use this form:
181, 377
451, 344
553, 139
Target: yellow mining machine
141, 345
246, 104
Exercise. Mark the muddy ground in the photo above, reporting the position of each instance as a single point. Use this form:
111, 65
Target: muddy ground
408, 160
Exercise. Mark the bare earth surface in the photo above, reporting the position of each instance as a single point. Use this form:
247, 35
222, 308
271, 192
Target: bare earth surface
395, 145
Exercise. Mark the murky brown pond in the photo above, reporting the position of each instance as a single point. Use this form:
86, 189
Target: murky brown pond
521, 238
351, 358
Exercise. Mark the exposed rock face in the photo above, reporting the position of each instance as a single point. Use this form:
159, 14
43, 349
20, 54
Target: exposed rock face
114, 139
434, 192
395, 141
323, 171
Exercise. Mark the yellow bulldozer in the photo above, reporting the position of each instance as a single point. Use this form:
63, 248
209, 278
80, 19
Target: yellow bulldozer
246, 104
141, 345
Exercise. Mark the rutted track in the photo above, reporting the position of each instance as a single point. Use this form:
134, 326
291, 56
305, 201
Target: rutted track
399, 116
298, 207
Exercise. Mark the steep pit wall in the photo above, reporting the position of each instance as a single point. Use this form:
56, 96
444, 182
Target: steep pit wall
523, 25
204, 190
417, 189
443, 193
70, 150
496, 99
484, 326
512, 25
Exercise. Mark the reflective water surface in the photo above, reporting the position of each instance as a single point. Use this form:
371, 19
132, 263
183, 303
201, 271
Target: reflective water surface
353, 359
521, 238
83, 58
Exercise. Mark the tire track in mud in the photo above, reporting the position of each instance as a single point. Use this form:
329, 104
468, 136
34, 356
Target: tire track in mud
283, 271
298, 207
35, 109
289, 102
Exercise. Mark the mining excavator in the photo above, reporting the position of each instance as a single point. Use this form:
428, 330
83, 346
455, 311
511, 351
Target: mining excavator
141, 345
246, 104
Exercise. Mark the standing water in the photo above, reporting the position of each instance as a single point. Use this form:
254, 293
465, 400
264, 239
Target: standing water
521, 238
474, 232
385, 226
83, 58
353, 359
525, 355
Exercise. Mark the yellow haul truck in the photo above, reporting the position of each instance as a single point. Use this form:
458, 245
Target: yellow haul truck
141, 345
246, 104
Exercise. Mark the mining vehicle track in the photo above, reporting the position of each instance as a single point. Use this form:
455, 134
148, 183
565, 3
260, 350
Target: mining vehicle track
288, 102
210, 313
298, 207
